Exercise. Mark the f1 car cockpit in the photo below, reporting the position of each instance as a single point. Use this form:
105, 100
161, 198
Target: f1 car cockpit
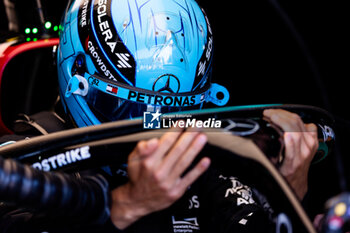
274, 64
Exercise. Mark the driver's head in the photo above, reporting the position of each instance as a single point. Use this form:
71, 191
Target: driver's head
119, 58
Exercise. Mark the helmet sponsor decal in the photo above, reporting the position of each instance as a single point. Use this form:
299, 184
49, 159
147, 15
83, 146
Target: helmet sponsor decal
99, 62
167, 83
84, 21
204, 63
107, 35
89, 42
144, 96
179, 101
83, 13
101, 41
112, 89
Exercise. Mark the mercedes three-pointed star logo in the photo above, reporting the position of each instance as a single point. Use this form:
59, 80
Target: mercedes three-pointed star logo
241, 127
167, 83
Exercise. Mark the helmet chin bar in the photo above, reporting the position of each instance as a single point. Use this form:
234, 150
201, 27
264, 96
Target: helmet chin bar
80, 85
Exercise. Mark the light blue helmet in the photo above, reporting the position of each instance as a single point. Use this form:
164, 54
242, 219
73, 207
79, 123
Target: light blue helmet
119, 58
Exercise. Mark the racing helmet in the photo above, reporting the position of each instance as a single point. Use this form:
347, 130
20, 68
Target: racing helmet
117, 59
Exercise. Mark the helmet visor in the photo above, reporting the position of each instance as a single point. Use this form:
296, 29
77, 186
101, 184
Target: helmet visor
111, 101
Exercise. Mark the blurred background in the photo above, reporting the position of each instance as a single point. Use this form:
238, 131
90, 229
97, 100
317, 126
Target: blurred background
265, 51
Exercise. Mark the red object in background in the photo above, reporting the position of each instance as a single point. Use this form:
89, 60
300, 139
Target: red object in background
11, 49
